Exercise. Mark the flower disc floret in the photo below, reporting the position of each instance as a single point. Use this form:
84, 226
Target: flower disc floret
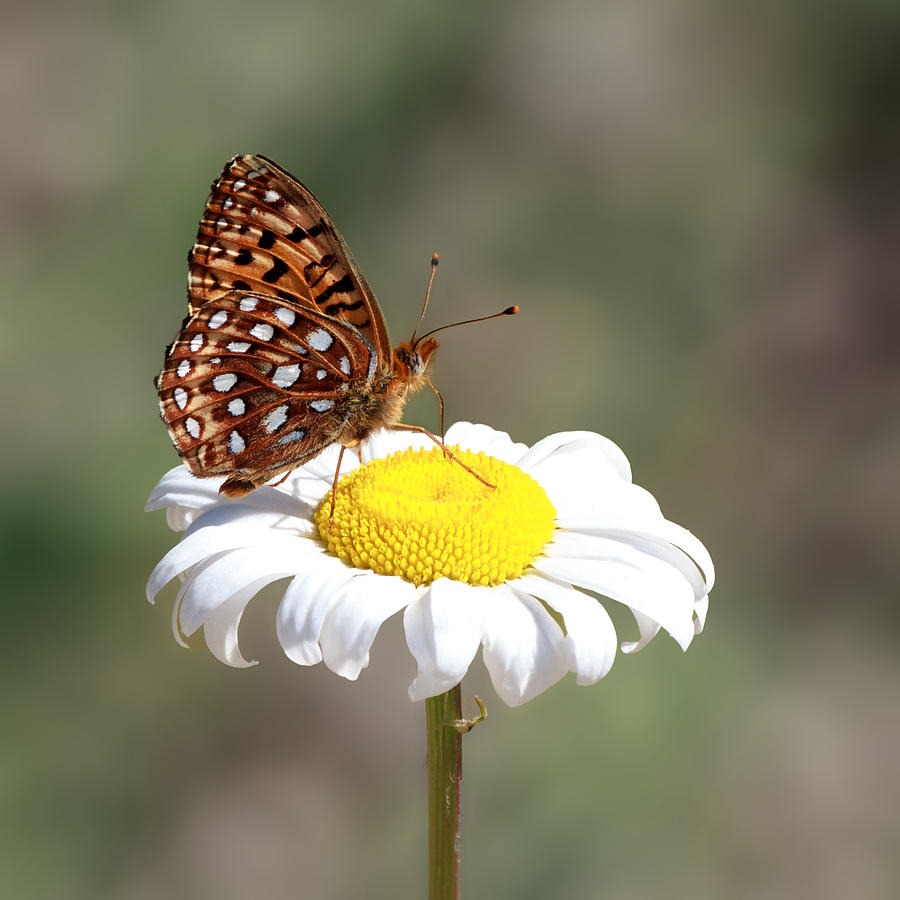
419, 515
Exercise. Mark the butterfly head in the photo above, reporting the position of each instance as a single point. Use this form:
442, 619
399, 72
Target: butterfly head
410, 358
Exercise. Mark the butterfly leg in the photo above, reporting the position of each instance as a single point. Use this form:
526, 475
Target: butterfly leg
437, 393
447, 451
337, 474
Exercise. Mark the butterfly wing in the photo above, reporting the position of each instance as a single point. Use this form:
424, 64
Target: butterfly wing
254, 385
263, 231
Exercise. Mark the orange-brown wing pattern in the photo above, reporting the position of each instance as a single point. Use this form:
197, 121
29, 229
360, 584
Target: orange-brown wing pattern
254, 385
263, 231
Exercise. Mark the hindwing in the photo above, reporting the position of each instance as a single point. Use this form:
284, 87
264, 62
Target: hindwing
256, 385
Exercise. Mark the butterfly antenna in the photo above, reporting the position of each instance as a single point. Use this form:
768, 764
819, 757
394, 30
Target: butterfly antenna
434, 265
509, 311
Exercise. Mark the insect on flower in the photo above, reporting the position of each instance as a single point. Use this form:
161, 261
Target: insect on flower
284, 350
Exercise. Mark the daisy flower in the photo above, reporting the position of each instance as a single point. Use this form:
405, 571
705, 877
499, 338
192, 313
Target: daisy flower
515, 570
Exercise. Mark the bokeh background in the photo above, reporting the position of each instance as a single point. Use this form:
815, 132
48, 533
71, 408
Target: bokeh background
695, 205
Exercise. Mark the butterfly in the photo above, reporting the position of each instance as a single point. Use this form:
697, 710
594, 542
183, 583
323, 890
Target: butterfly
284, 350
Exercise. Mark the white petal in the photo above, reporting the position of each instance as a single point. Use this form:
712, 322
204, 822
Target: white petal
221, 628
443, 631
176, 609
586, 498
305, 604
629, 576
583, 544
581, 483
692, 546
384, 442
179, 485
594, 504
258, 565
647, 628
180, 490
482, 437
641, 502
217, 638
181, 495
307, 488
524, 649
313, 479
274, 499
701, 608
567, 442
353, 621
666, 541
590, 633
222, 528
179, 518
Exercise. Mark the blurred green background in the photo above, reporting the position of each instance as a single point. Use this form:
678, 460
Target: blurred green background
692, 203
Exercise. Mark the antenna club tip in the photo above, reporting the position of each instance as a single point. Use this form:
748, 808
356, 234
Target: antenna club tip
510, 310
434, 260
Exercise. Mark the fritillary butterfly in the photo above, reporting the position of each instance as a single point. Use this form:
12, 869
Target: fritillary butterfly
284, 350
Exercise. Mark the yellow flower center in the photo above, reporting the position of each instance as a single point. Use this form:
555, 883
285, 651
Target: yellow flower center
421, 516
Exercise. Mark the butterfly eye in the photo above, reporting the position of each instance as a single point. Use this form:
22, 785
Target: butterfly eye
415, 363
407, 362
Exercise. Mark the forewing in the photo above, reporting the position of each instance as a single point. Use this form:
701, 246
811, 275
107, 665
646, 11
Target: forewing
254, 385
264, 231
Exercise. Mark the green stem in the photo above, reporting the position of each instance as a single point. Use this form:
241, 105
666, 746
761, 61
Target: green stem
444, 776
